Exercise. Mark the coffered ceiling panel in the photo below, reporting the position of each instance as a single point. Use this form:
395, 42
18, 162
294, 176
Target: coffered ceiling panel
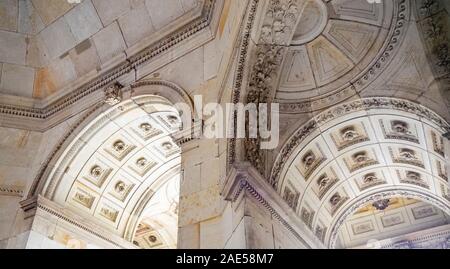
334, 43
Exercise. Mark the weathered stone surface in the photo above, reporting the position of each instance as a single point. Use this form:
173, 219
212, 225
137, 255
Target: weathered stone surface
8, 15
17, 80
13, 48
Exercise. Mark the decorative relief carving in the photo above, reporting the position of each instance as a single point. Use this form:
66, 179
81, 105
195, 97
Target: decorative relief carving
406, 156
310, 161
142, 166
321, 233
382, 204
423, 212
83, 198
121, 190
359, 160
399, 130
146, 131
325, 183
98, 175
109, 213
362, 228
263, 80
442, 170
291, 197
445, 190
307, 217
392, 220
280, 22
113, 94
119, 149
336, 201
172, 122
369, 180
168, 149
413, 178
153, 240
349, 136
438, 144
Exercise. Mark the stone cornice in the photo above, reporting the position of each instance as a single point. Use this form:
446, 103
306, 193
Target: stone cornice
45, 206
245, 180
31, 114
9, 190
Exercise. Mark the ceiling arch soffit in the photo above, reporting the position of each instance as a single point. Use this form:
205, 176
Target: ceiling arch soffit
113, 162
137, 96
380, 195
369, 146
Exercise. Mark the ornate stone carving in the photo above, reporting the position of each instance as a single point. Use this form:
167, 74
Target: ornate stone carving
413, 178
280, 22
84, 198
119, 146
113, 94
146, 127
381, 204
96, 171
291, 197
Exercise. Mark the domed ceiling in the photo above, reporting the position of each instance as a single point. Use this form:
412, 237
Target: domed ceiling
335, 42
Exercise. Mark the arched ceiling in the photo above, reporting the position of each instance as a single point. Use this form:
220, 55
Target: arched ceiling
49, 44
334, 43
389, 219
123, 170
347, 153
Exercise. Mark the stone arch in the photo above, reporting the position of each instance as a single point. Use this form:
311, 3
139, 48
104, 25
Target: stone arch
373, 197
170, 91
359, 148
98, 163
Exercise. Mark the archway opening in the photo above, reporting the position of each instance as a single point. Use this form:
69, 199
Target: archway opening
121, 173
351, 154
392, 222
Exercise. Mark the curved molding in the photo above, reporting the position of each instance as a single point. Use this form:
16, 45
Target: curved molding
344, 109
139, 209
380, 195
169, 90
47, 169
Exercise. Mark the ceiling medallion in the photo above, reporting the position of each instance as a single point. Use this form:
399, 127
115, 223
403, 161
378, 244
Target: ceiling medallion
312, 23
381, 204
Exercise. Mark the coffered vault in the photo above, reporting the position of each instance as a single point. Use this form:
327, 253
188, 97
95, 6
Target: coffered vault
92, 154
